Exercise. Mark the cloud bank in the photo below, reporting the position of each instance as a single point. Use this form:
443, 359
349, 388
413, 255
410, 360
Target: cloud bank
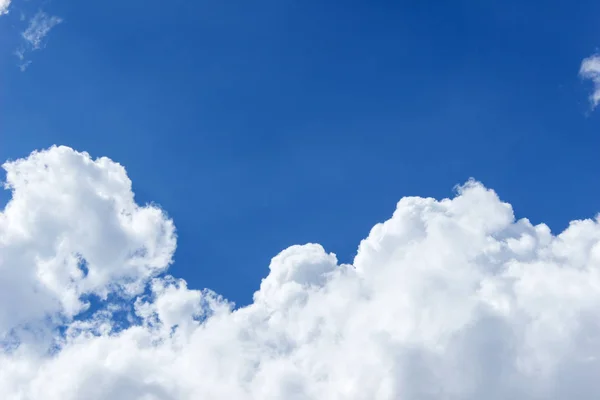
448, 299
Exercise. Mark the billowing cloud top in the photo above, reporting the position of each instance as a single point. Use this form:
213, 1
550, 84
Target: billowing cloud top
449, 299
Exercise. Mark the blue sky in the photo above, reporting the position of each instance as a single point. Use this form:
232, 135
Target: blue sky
258, 126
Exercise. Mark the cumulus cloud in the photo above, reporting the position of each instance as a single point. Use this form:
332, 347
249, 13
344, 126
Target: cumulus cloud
590, 69
4, 5
72, 229
448, 299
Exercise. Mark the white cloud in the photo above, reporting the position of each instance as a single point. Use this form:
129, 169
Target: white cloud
4, 5
68, 211
590, 69
449, 299
39, 26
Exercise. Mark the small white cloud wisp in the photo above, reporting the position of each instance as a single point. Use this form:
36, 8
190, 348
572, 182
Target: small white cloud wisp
39, 27
590, 69
447, 299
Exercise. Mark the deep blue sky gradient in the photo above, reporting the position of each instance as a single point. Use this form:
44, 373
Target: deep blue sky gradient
258, 125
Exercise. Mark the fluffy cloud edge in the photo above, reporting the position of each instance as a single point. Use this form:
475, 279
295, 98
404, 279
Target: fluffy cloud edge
590, 69
4, 6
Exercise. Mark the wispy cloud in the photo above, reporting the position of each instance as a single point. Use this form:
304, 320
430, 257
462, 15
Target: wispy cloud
38, 28
590, 69
4, 4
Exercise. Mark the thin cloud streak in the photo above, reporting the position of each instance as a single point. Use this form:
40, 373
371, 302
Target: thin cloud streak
39, 27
